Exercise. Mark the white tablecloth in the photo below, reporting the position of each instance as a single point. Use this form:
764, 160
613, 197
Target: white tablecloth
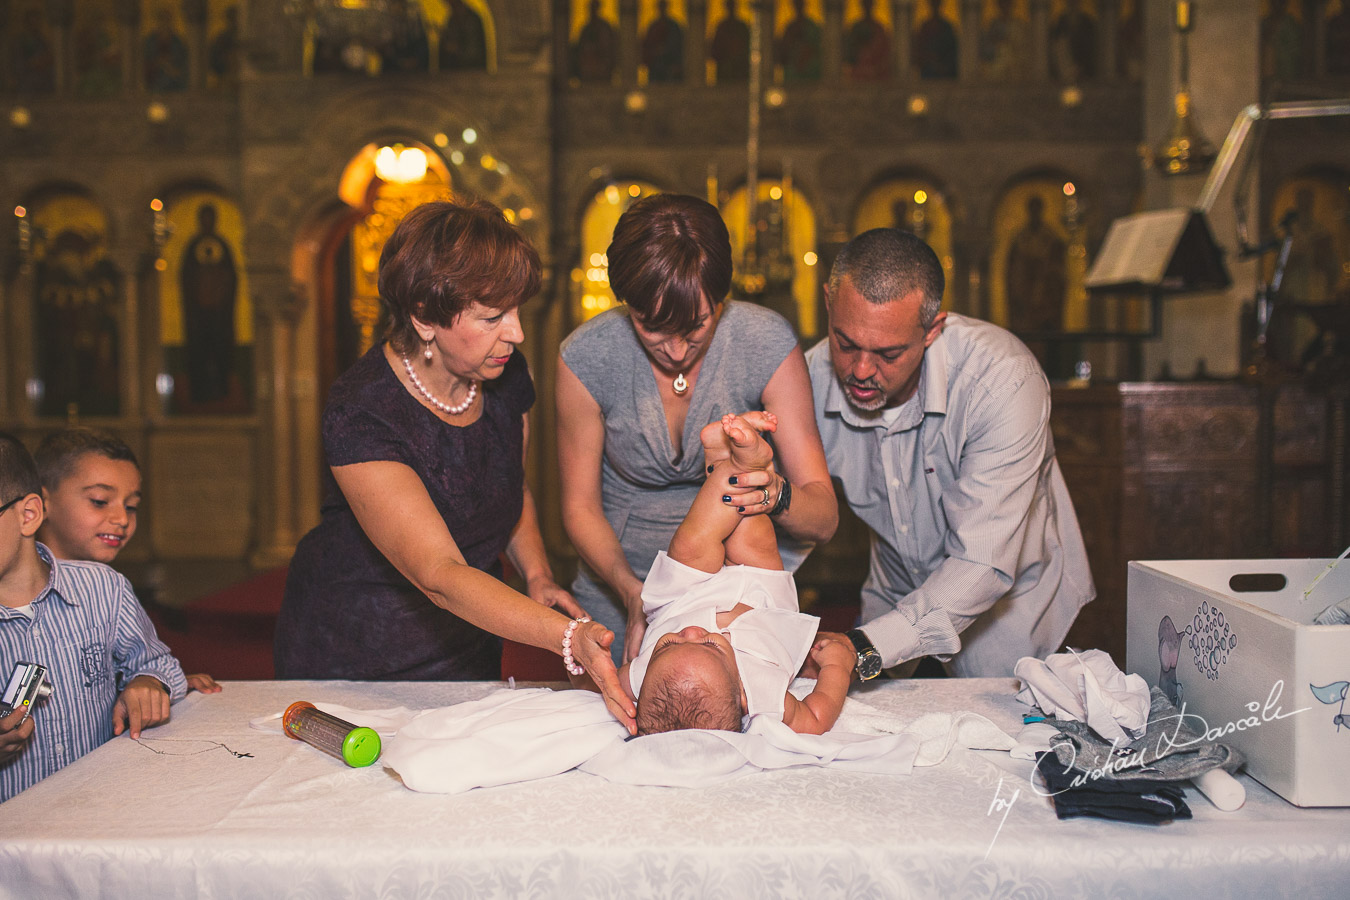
290, 821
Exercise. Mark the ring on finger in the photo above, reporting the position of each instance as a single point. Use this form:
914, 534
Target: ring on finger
766, 495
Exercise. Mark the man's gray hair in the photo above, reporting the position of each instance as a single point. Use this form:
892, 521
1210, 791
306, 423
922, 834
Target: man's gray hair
886, 264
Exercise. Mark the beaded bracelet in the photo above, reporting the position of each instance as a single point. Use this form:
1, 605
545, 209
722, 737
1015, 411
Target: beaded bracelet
571, 664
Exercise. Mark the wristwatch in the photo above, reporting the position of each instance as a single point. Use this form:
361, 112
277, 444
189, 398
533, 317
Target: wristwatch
869, 660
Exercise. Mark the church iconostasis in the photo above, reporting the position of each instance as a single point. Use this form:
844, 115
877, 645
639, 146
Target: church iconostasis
205, 308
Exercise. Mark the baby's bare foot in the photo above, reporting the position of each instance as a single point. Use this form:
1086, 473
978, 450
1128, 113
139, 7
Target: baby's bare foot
716, 445
749, 451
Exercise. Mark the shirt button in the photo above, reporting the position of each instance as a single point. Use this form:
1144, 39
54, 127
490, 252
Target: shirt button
904, 529
914, 570
895, 482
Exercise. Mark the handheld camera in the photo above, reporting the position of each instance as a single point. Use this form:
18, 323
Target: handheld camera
26, 686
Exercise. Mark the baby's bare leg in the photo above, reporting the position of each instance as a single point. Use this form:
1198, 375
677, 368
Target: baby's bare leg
698, 542
714, 532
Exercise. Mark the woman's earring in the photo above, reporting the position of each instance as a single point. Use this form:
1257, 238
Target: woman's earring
426, 354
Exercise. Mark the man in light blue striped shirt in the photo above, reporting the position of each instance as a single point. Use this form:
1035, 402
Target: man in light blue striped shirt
938, 428
108, 670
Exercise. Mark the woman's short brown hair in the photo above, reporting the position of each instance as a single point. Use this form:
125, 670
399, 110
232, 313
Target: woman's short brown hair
670, 250
443, 257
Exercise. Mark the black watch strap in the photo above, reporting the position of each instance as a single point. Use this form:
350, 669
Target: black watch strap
869, 660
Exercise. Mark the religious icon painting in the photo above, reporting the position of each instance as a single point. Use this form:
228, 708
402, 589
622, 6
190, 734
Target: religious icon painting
936, 38
867, 40
786, 273
595, 41
728, 39
1032, 277
97, 50
463, 34
797, 46
78, 310
914, 204
206, 317
661, 25
1313, 209
222, 44
164, 50
31, 48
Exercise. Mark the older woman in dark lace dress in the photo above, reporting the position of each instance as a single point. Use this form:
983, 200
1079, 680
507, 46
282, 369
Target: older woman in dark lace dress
425, 438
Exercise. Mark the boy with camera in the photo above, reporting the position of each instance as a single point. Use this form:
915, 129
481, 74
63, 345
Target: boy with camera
108, 671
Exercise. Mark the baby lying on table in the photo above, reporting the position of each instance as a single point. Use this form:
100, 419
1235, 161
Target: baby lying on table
724, 635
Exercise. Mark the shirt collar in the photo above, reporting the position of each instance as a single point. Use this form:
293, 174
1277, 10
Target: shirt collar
53, 575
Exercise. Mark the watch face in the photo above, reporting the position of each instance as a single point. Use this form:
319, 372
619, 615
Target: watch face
869, 665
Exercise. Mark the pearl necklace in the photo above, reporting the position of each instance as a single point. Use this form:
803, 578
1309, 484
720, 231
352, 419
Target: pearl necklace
443, 407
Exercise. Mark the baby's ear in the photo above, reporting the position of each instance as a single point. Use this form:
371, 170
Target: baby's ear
624, 682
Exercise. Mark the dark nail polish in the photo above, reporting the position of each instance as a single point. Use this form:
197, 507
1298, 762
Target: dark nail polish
710, 468
731, 480
740, 509
726, 498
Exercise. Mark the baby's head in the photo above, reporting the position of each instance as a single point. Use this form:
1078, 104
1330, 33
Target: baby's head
20, 501
691, 682
92, 485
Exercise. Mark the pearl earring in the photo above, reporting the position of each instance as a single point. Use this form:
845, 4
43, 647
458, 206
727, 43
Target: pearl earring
426, 354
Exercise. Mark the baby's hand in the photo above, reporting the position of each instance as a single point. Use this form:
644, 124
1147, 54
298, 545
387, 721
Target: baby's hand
833, 649
143, 703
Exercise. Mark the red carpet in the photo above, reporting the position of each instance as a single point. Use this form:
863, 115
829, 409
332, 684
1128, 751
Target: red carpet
228, 634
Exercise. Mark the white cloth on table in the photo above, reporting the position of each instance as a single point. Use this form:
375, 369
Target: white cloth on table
771, 640
1086, 686
512, 736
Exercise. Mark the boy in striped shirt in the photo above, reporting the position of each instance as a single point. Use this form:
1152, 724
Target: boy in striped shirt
109, 671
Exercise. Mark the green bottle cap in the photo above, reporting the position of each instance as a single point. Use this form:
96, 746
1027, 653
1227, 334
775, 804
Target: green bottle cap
361, 747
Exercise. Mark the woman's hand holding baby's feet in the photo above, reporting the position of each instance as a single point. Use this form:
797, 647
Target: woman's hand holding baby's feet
748, 451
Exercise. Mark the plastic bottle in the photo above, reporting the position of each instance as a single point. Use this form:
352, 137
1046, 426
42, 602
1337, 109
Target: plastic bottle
355, 746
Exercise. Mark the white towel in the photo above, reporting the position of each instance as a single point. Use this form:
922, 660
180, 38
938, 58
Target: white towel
1086, 686
520, 735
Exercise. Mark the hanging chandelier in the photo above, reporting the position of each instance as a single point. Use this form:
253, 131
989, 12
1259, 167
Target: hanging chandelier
765, 270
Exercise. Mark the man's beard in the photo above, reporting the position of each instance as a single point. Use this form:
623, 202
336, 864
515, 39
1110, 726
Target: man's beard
869, 384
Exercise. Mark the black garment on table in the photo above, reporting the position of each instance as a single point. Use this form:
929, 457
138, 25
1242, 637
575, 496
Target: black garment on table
1141, 801
347, 612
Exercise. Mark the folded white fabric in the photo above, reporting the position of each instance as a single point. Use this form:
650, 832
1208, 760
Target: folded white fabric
519, 735
1086, 686
505, 737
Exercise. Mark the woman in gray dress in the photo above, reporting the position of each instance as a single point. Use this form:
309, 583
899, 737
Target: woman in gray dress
637, 383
